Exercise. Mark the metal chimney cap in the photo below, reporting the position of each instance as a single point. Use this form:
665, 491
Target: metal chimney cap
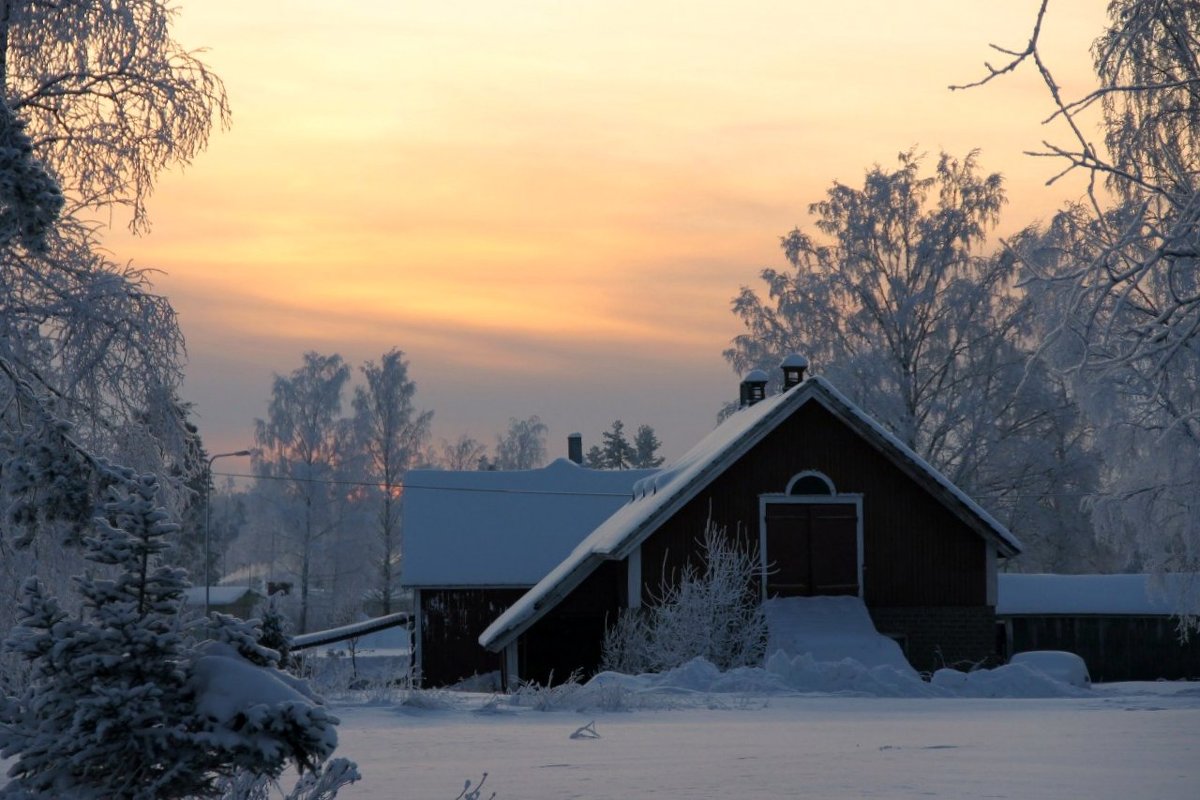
755, 376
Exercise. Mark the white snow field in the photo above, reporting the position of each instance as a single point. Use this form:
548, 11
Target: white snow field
1133, 741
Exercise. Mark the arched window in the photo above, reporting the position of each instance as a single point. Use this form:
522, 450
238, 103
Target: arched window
811, 482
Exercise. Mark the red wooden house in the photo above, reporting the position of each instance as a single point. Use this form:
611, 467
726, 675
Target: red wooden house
835, 504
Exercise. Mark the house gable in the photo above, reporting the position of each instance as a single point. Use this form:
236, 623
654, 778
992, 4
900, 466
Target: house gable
916, 551
680, 499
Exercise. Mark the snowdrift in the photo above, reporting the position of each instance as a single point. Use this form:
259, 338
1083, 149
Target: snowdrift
829, 645
830, 629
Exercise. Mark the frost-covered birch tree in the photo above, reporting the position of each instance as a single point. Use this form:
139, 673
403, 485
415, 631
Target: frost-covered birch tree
302, 448
897, 302
111, 99
102, 98
1121, 269
464, 453
523, 446
389, 434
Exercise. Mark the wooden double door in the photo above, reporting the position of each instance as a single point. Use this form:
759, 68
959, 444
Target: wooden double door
811, 549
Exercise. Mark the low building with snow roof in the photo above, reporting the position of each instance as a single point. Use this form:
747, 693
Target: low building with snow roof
240, 601
476, 541
1125, 627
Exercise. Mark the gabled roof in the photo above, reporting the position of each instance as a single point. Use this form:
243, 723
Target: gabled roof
506, 528
659, 496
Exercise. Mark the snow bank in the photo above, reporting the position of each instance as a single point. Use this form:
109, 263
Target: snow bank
1059, 664
830, 629
1010, 680
783, 674
804, 674
829, 645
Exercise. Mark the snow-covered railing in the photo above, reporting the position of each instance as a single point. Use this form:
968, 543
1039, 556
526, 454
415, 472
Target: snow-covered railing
318, 638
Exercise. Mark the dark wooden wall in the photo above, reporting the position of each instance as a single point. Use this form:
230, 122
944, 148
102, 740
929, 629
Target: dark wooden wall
1115, 648
571, 637
451, 621
916, 552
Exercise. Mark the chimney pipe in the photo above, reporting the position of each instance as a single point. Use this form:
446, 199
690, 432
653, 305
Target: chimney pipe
753, 388
793, 370
575, 447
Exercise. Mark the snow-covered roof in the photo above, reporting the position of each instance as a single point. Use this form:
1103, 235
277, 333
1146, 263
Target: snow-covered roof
661, 494
217, 595
503, 528
1093, 594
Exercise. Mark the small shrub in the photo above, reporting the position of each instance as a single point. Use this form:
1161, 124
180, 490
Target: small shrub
712, 612
550, 697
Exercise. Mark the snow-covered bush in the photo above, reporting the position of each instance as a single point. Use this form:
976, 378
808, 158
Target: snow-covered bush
275, 632
548, 697
125, 702
712, 612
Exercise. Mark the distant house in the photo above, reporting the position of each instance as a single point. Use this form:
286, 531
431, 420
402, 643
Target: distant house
833, 502
1124, 626
240, 601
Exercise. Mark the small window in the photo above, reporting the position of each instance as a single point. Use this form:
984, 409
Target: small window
811, 482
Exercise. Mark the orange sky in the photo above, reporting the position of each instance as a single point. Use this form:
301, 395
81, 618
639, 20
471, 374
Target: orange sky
548, 206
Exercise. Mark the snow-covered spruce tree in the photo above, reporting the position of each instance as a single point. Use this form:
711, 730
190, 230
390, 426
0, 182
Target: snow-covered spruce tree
273, 633
124, 703
712, 611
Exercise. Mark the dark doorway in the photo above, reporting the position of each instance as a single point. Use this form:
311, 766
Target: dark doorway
811, 549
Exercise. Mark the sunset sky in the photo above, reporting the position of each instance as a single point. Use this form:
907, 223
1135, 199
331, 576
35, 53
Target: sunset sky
549, 205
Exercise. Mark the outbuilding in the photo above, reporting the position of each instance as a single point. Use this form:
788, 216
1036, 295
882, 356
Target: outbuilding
476, 541
1125, 627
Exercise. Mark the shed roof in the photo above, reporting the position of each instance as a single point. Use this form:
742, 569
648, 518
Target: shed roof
659, 495
217, 595
503, 528
1101, 595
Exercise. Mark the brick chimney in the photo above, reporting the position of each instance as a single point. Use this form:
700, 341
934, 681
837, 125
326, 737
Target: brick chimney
575, 447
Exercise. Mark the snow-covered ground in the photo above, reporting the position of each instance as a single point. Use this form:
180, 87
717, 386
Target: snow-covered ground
1118, 741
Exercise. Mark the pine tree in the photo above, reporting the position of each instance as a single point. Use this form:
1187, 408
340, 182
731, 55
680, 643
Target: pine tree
645, 449
104, 715
616, 449
617, 453
274, 635
124, 703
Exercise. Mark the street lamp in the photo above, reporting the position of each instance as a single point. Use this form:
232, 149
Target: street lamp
207, 516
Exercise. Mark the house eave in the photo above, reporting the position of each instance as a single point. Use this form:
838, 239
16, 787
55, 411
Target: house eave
497, 640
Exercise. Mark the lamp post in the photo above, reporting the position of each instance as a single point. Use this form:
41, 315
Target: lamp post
208, 515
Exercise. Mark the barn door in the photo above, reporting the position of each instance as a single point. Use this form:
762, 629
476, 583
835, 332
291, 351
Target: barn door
811, 549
